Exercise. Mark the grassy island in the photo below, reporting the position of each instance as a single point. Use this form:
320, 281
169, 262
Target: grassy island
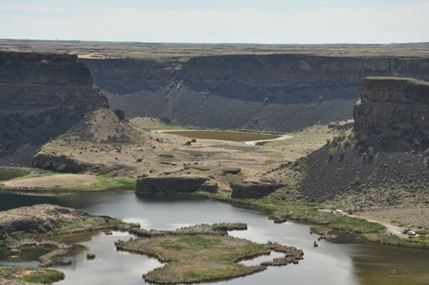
203, 253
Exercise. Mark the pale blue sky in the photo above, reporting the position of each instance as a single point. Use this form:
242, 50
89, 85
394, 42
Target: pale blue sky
218, 21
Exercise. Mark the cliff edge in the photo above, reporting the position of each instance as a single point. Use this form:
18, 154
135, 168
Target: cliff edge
47, 80
41, 97
387, 102
383, 161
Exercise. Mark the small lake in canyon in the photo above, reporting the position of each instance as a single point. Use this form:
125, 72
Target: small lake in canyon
330, 263
224, 135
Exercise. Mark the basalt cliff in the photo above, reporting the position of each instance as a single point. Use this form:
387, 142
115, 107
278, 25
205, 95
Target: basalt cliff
383, 160
277, 92
41, 97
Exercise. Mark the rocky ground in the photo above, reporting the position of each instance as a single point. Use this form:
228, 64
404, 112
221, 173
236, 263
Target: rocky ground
46, 219
102, 50
130, 151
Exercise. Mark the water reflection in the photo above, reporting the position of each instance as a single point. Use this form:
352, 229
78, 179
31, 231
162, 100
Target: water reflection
109, 266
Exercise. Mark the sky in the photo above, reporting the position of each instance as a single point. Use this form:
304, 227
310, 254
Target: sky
218, 21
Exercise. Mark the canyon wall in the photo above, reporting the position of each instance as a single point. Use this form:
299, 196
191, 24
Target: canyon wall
279, 92
387, 102
384, 160
46, 80
41, 97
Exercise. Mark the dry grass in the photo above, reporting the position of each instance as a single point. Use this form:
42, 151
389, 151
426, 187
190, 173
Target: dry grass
57, 180
203, 258
102, 50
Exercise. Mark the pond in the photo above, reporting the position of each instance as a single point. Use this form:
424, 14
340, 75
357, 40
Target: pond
7, 174
329, 263
223, 135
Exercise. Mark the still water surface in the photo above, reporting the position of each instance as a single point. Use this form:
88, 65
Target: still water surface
223, 135
6, 174
328, 264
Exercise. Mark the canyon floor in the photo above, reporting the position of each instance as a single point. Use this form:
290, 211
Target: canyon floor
148, 150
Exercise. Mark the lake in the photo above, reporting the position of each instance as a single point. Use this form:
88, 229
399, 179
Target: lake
223, 135
327, 264
7, 174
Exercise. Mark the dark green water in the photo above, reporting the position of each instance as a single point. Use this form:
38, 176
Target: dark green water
329, 263
222, 135
10, 174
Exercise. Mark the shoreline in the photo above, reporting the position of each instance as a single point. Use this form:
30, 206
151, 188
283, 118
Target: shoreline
301, 212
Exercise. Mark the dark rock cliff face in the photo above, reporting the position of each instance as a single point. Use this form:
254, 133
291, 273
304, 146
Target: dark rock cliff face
384, 160
389, 101
253, 189
245, 91
171, 185
41, 97
46, 80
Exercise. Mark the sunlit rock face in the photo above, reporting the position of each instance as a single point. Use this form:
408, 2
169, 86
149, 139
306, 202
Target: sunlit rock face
47, 80
389, 101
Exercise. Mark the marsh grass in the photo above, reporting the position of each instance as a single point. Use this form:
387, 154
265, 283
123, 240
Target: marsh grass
197, 258
102, 184
309, 213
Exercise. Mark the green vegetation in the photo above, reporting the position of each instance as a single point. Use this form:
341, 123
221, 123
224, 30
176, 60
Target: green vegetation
32, 274
421, 241
101, 184
105, 183
345, 223
88, 224
6, 238
304, 212
195, 258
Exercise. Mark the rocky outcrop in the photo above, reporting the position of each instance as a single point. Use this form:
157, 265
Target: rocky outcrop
253, 189
60, 163
171, 184
47, 80
383, 161
37, 219
387, 102
41, 97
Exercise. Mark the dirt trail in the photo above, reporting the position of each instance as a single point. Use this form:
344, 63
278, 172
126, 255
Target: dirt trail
390, 228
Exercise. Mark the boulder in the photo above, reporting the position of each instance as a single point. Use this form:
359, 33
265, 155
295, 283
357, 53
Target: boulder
253, 189
170, 184
209, 186
90, 256
233, 170
120, 114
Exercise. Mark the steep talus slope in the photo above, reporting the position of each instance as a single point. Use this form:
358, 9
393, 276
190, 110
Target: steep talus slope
245, 91
383, 161
41, 97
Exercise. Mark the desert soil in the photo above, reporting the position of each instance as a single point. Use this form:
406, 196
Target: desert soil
397, 219
166, 154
